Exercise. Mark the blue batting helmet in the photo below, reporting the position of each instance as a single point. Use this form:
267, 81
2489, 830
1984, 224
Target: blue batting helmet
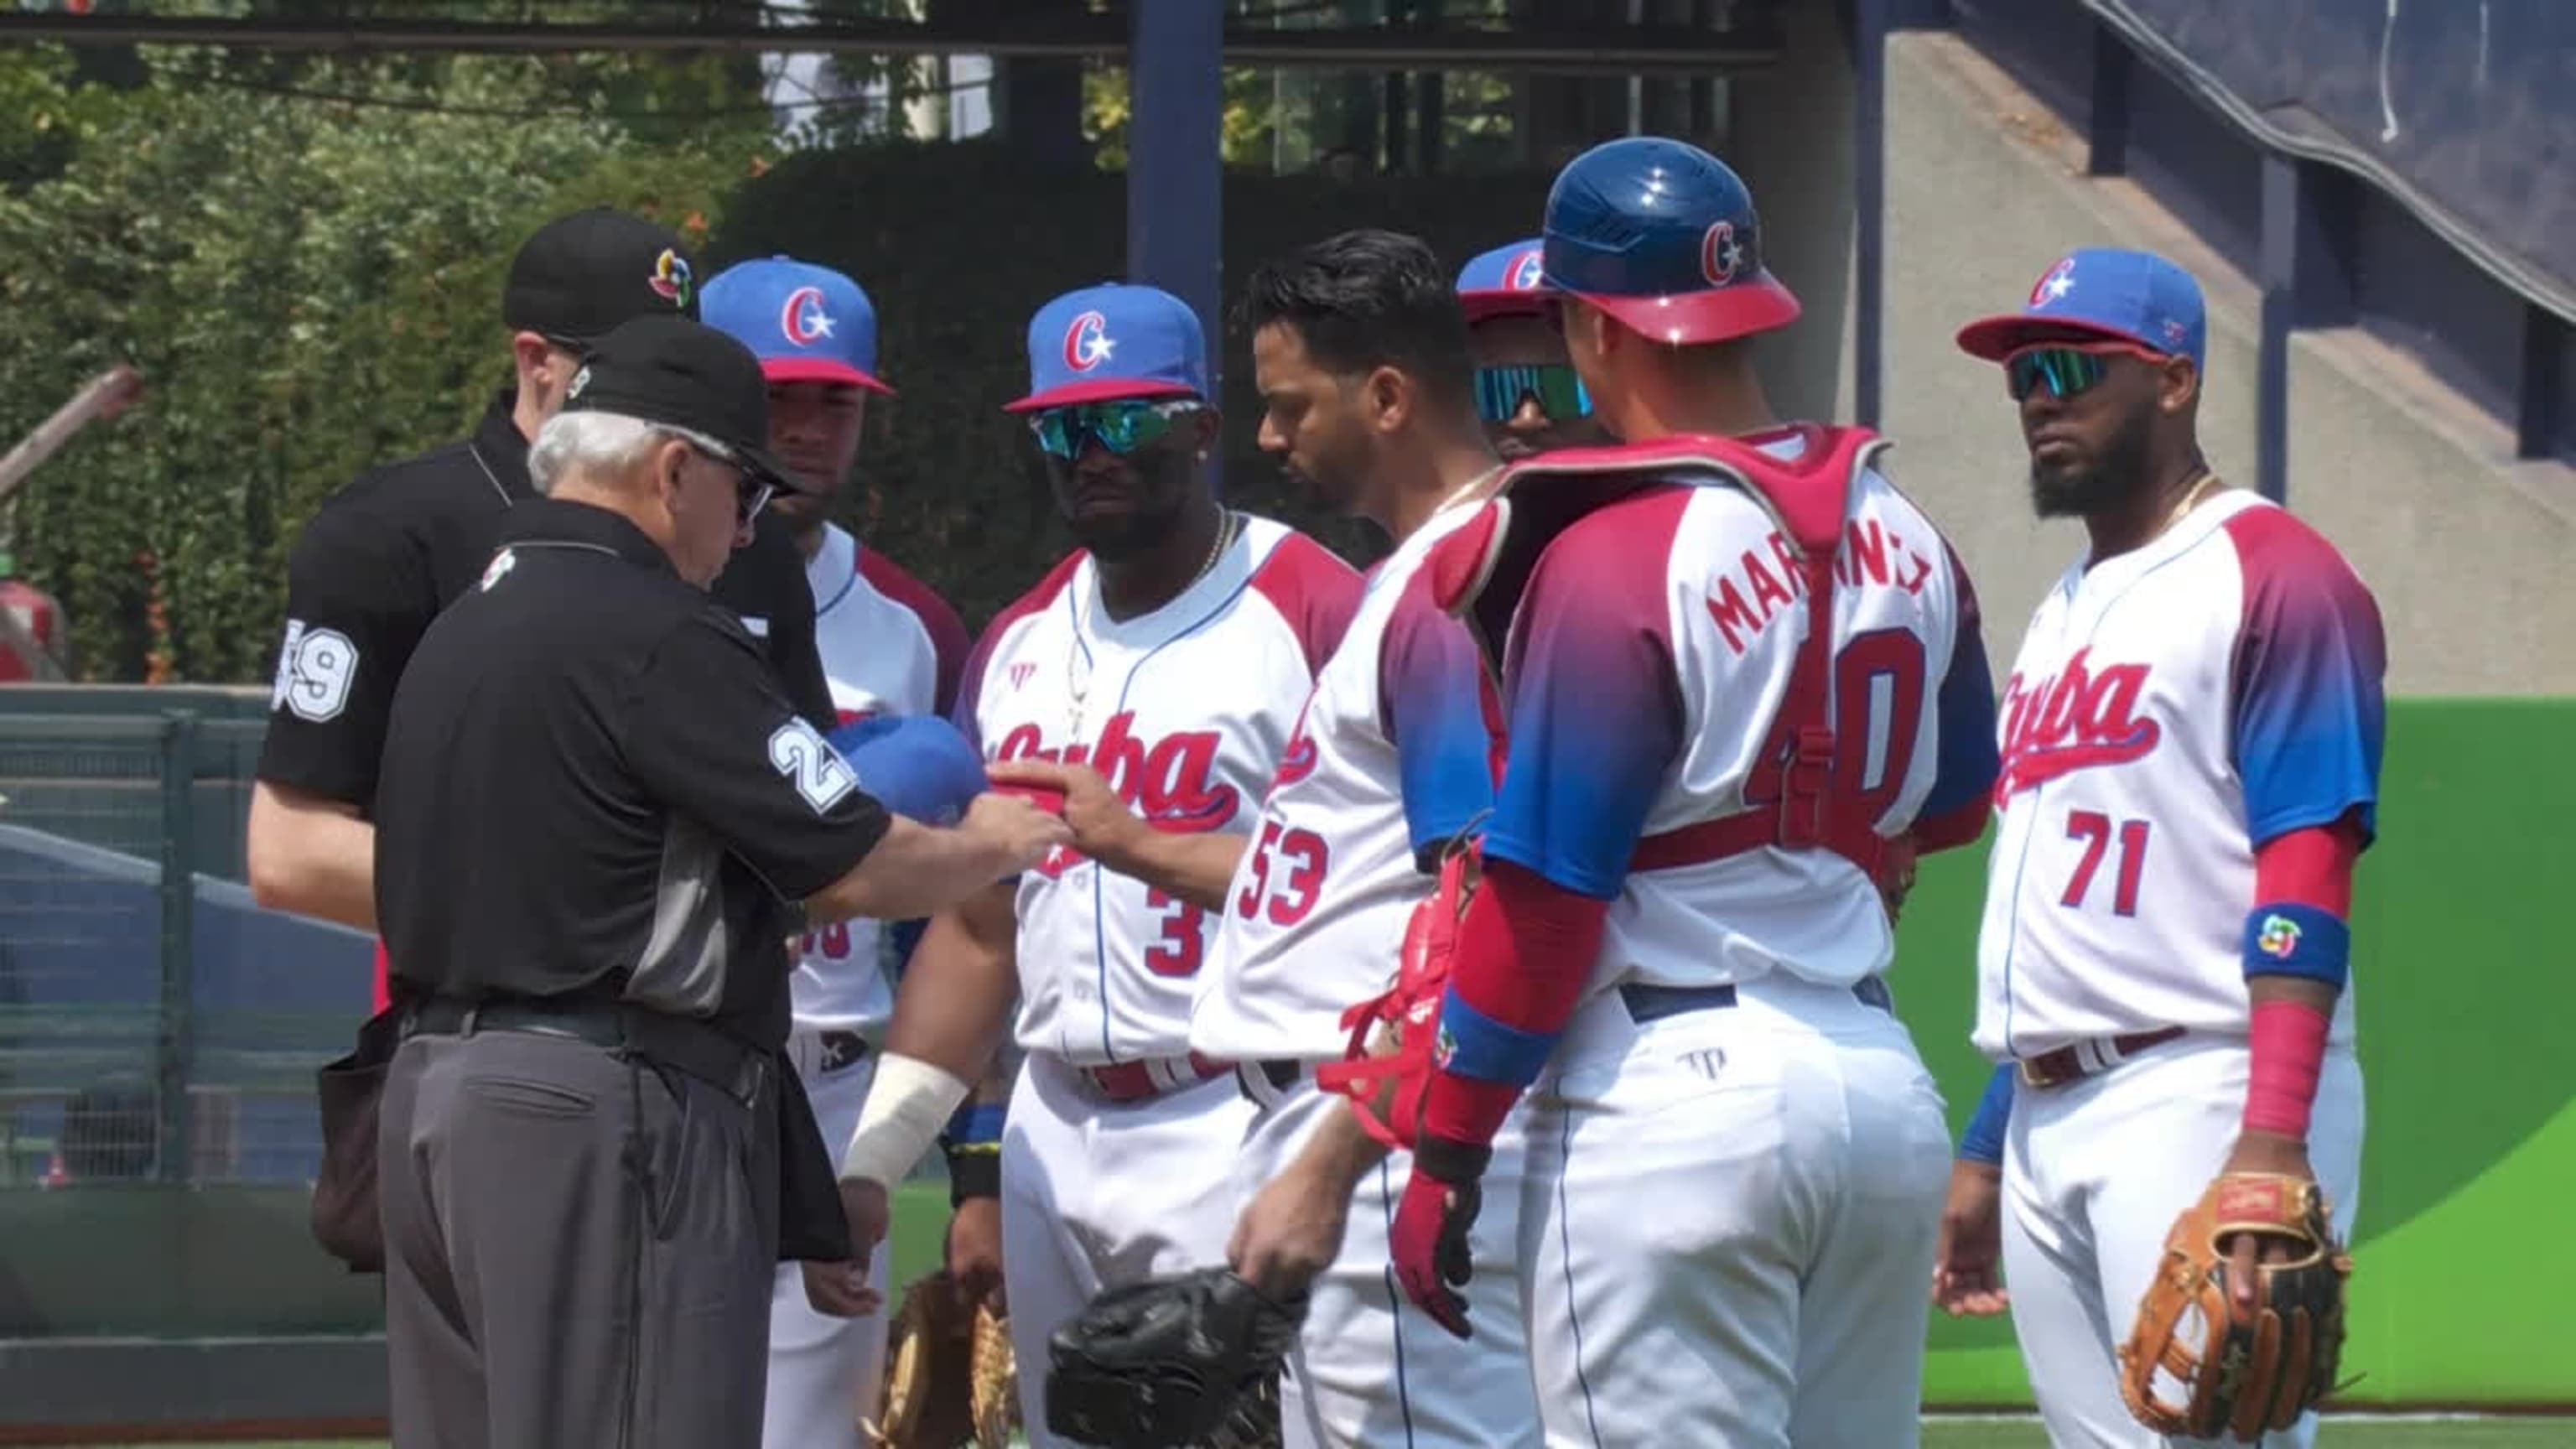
1662, 236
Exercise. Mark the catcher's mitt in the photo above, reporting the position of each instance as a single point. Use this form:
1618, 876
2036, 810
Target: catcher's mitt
948, 1375
1191, 1360
2240, 1375
1393, 1034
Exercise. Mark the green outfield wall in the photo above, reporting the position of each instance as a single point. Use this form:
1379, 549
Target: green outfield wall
2464, 984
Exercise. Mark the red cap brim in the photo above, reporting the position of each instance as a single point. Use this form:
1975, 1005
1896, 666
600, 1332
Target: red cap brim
1104, 390
1757, 304
818, 369
1996, 338
1501, 302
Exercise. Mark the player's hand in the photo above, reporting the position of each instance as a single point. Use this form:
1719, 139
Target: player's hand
1967, 1271
975, 1253
841, 1289
2261, 1152
1428, 1244
1023, 831
1291, 1231
1102, 824
1896, 876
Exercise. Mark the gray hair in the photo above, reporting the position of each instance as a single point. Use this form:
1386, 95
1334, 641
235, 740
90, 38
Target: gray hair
585, 441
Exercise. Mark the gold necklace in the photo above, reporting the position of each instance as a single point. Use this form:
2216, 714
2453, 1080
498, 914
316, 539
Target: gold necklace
2202, 482
1077, 680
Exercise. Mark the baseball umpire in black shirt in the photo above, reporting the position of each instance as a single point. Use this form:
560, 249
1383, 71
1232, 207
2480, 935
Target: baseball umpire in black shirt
598, 819
383, 555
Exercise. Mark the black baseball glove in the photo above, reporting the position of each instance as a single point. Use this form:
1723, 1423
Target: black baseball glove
1191, 1360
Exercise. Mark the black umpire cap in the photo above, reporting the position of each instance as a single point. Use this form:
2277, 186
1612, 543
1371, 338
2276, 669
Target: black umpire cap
582, 274
683, 374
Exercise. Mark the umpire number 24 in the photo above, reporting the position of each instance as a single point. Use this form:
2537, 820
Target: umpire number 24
2097, 831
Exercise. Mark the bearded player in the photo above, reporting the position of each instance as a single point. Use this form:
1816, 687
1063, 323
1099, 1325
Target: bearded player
1360, 352
2191, 745
890, 648
1743, 667
1172, 652
1526, 392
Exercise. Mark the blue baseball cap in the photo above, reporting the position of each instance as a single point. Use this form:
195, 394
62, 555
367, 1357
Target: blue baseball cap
805, 323
1662, 236
2101, 294
918, 766
1115, 340
1505, 281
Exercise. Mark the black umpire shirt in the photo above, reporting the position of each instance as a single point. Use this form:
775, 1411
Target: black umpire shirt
386, 553
593, 784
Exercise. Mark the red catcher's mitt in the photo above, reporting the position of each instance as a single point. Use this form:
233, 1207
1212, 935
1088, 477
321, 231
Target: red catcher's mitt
1389, 1061
2240, 1374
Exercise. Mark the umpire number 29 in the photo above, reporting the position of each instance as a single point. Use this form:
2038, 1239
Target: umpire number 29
2095, 829
1287, 875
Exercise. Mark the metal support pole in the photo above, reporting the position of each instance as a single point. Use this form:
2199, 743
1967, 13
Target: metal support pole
2113, 65
2280, 277
1869, 174
2543, 375
175, 1047
1175, 168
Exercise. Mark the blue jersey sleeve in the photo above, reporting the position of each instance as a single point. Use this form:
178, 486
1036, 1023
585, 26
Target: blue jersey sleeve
2310, 670
1966, 764
1436, 702
1593, 708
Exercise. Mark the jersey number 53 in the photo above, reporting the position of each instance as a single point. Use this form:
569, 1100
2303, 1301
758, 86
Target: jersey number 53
1287, 875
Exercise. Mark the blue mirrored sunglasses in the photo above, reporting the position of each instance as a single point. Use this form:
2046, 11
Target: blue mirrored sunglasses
2064, 371
1558, 388
1122, 425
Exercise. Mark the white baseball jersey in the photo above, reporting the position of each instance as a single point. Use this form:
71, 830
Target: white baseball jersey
1184, 710
1649, 661
1391, 756
2171, 709
889, 646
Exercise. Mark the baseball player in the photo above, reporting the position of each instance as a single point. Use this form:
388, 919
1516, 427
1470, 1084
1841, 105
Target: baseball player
1529, 396
1742, 668
1172, 651
1360, 352
2191, 741
890, 648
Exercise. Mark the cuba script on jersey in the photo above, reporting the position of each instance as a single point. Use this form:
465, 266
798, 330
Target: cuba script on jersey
1183, 711
2170, 709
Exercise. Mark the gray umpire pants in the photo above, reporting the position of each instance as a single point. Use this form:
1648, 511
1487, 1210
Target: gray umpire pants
579, 1247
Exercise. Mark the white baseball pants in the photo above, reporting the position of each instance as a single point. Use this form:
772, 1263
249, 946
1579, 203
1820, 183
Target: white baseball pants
824, 1371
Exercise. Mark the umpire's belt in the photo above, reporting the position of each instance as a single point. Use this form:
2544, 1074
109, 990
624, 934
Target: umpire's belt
716, 1057
1647, 1003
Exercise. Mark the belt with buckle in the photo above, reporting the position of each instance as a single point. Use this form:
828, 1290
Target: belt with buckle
1125, 1082
2078, 1060
1647, 1002
703, 1051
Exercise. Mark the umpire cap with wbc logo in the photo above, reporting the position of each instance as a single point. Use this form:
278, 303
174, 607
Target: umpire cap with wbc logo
805, 323
674, 372
1662, 236
1113, 341
581, 275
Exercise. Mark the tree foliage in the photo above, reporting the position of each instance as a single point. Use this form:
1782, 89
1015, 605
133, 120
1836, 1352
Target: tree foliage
308, 287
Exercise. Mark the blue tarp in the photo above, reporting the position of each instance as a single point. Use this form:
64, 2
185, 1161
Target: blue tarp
2466, 109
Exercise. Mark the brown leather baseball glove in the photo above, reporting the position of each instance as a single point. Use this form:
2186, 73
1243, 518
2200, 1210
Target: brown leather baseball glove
2239, 1374
949, 1379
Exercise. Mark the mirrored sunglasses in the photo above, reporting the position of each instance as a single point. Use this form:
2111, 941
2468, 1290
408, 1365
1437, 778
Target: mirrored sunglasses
2064, 371
1122, 425
1558, 388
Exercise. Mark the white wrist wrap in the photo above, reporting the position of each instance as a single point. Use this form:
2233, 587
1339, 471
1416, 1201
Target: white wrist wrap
908, 1104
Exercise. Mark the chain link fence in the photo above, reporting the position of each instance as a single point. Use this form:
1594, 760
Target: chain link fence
155, 1026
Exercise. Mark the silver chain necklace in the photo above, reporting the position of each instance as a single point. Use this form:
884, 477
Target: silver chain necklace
1077, 678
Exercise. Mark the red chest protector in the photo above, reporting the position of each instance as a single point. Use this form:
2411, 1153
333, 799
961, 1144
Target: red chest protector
1480, 571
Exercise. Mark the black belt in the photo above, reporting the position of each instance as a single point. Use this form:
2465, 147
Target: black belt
714, 1056
1647, 1003
837, 1049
